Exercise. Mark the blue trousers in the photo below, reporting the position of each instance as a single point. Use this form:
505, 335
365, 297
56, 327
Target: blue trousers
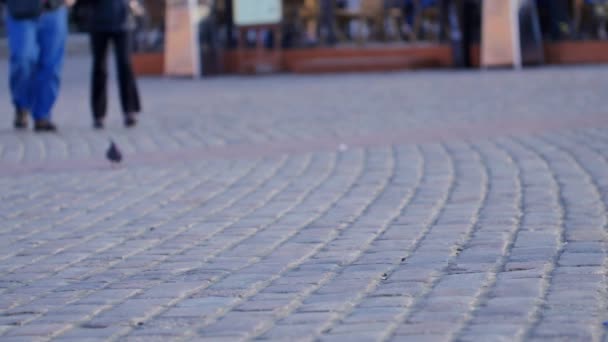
37, 48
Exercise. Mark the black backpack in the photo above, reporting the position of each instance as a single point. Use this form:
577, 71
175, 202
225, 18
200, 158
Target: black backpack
24, 9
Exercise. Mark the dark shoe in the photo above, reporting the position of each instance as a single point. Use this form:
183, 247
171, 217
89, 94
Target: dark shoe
44, 126
130, 120
98, 124
21, 119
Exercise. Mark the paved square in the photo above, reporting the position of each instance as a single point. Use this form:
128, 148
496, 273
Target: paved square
415, 206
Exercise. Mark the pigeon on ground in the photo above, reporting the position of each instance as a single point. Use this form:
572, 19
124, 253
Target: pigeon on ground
113, 154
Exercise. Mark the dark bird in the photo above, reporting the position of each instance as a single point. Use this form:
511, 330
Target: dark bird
113, 154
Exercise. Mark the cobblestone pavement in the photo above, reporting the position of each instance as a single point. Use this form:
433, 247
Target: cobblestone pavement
403, 207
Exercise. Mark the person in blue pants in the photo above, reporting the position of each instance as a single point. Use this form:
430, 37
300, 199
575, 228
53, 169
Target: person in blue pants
37, 48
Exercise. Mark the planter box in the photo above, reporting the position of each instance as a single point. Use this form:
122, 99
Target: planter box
577, 52
351, 59
149, 63
381, 58
566, 52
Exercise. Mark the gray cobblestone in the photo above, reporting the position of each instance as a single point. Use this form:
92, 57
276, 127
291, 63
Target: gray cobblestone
274, 209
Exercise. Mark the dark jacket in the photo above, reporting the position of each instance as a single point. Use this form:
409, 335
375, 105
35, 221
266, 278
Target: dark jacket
30, 9
104, 15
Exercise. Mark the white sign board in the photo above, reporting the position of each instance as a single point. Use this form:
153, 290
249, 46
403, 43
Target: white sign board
257, 12
182, 53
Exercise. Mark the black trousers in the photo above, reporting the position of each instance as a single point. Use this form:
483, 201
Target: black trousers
129, 95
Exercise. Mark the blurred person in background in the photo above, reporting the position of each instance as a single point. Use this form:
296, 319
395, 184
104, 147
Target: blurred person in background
111, 21
37, 31
555, 18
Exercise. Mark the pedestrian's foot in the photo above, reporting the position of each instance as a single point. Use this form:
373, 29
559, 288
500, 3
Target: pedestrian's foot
130, 120
21, 119
44, 126
98, 124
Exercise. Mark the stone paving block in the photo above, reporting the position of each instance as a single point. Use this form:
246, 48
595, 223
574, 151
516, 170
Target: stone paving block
38, 330
296, 332
525, 287
16, 319
488, 337
525, 269
237, 324
443, 316
417, 329
372, 315
89, 334
564, 331
447, 304
303, 318
24, 338
107, 296
129, 312
508, 307
491, 330
266, 305
387, 301
171, 290
367, 335
581, 259
150, 337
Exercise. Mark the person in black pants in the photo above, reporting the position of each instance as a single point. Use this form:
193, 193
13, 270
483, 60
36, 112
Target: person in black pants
111, 21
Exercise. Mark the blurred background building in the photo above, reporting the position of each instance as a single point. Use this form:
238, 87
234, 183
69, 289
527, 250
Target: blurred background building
352, 35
